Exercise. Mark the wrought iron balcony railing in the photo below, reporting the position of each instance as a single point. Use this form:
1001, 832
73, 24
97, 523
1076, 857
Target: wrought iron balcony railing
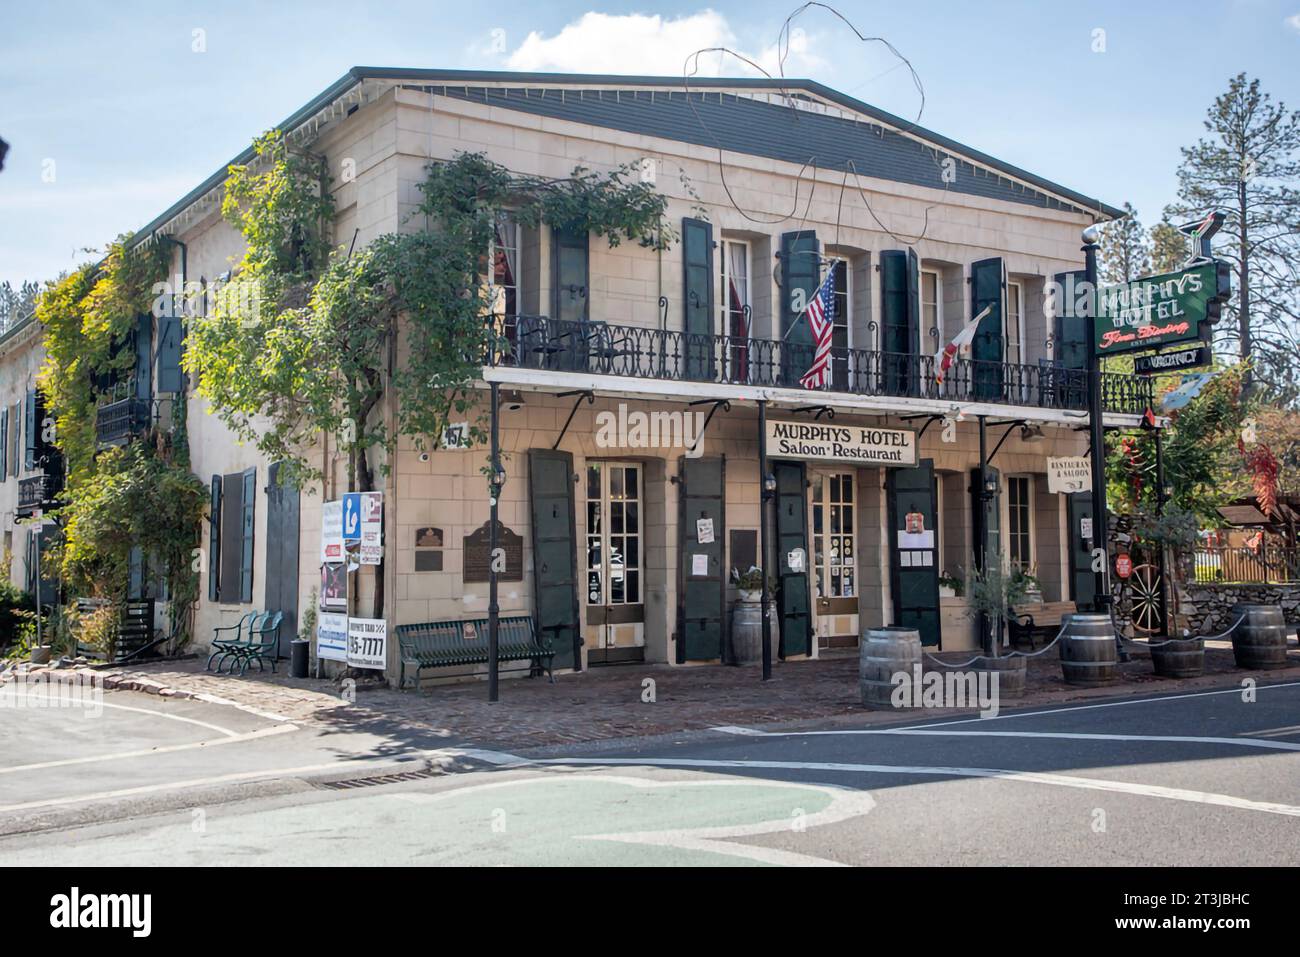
120, 420
38, 492
538, 342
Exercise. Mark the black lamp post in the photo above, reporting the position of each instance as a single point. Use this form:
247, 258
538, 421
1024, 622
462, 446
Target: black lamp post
1096, 427
494, 491
768, 492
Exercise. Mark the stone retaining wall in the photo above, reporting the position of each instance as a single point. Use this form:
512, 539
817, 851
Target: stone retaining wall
1206, 609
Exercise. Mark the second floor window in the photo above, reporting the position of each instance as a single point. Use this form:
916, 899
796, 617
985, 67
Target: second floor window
736, 316
840, 342
503, 271
1015, 335
931, 307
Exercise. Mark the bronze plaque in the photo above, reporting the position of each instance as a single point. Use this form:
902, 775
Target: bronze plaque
477, 557
428, 537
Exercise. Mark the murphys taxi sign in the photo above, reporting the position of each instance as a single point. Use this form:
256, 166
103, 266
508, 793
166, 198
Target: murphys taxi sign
1159, 310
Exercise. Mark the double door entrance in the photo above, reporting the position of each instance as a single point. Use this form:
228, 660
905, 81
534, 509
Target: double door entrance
615, 576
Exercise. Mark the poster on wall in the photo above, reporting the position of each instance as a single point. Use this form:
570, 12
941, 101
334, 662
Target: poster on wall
367, 643
332, 637
331, 532
334, 587
372, 528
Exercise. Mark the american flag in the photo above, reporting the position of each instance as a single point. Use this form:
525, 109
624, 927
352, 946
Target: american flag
821, 319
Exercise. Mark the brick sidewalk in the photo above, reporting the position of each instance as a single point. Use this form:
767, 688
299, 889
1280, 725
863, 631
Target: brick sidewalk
610, 703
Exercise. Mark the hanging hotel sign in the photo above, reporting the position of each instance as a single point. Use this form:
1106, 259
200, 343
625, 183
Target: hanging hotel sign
1068, 473
1158, 310
863, 444
1175, 361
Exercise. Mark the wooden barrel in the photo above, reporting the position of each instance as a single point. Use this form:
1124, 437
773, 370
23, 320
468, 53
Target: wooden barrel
884, 653
747, 632
1011, 673
1088, 650
1259, 642
1179, 657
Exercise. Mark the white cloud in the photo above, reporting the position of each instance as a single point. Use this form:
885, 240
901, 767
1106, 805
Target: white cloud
640, 44
1293, 22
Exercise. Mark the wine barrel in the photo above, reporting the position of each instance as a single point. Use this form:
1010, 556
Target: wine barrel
1178, 657
884, 653
1259, 642
747, 632
1011, 673
1088, 650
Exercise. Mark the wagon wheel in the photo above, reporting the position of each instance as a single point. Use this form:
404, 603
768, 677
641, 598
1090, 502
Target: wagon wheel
1144, 589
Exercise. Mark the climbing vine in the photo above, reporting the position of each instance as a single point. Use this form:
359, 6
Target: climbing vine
140, 496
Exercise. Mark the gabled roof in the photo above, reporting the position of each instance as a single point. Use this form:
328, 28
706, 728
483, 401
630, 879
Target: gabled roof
826, 129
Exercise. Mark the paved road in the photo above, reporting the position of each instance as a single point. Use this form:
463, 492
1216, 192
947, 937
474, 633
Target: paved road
1190, 779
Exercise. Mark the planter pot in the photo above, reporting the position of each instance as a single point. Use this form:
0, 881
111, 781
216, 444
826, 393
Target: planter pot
747, 630
884, 653
1088, 653
1259, 642
755, 595
1011, 673
299, 653
1179, 658
946, 592
41, 655
1033, 597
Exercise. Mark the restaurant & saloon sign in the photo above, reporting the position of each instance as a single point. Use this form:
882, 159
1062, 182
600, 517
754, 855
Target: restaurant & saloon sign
863, 444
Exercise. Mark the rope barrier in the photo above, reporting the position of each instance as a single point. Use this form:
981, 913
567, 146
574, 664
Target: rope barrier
1168, 641
1011, 654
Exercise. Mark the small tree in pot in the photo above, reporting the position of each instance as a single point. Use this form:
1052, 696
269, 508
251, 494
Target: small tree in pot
994, 593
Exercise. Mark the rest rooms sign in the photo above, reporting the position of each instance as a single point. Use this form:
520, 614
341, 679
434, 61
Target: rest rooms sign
864, 444
1152, 312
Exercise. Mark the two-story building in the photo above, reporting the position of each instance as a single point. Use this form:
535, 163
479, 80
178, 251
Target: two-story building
634, 381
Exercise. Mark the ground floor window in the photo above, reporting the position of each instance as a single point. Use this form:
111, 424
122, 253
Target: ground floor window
834, 540
613, 533
1020, 544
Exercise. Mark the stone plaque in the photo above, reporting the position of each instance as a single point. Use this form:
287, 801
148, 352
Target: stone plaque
428, 560
477, 556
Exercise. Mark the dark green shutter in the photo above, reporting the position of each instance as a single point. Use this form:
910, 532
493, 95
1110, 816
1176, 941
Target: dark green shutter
169, 354
214, 540
248, 503
988, 287
791, 535
800, 277
986, 514
29, 430
144, 358
702, 620
900, 321
280, 589
571, 266
16, 439
1083, 582
555, 560
914, 570
4, 444
697, 296
1072, 340
135, 589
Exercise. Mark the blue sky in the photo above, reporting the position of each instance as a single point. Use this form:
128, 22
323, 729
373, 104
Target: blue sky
116, 102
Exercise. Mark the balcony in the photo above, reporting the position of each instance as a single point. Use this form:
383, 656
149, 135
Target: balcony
37, 492
538, 342
120, 420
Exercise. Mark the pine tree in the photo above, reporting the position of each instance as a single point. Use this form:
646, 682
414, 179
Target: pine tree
1169, 247
1247, 167
1124, 252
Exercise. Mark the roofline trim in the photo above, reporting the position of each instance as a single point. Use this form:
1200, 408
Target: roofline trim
358, 75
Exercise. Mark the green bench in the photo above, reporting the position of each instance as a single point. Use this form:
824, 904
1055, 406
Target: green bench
255, 637
450, 644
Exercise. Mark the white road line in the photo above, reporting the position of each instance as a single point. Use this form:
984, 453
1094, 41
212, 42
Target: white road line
1062, 735
1027, 777
150, 752
1107, 704
123, 707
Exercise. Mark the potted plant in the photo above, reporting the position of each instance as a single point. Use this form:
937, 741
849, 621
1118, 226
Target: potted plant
950, 586
747, 615
300, 647
994, 592
1032, 590
750, 583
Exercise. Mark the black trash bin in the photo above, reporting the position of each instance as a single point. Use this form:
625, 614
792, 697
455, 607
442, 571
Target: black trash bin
300, 654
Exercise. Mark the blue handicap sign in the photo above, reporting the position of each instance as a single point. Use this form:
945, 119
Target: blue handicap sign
352, 517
